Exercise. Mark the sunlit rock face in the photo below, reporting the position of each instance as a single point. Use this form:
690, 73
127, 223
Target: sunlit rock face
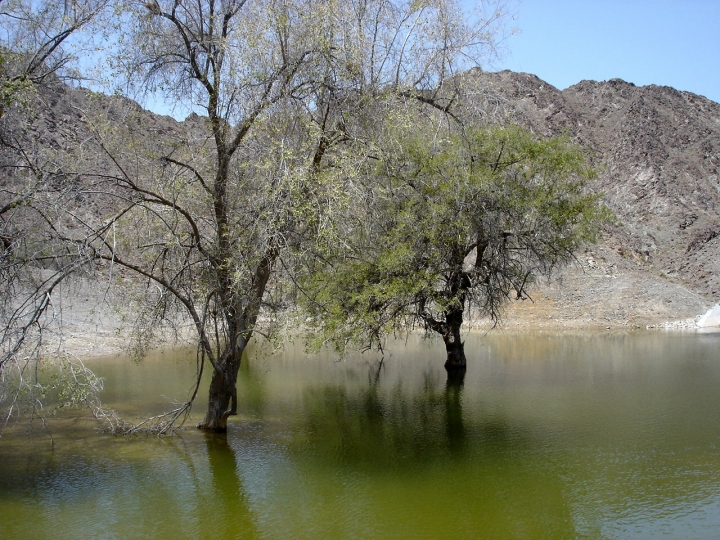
711, 318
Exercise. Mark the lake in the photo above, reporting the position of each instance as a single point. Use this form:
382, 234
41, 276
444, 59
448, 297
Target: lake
571, 435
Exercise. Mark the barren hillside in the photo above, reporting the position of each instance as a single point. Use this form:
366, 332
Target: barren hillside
658, 154
657, 150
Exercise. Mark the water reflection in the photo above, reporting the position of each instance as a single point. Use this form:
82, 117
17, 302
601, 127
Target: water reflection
454, 426
395, 426
545, 437
230, 515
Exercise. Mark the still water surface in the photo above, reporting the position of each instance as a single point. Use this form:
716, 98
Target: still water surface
611, 435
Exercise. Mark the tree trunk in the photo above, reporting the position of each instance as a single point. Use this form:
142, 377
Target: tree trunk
222, 397
454, 346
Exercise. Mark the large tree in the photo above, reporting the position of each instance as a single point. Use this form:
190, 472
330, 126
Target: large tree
461, 219
35, 53
287, 90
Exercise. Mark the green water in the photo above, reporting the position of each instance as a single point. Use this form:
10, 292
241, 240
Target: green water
550, 436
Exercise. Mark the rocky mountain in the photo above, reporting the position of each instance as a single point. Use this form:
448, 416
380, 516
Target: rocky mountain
658, 155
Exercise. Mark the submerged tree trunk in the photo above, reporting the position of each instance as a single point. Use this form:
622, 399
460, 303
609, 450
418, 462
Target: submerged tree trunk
454, 345
449, 329
222, 396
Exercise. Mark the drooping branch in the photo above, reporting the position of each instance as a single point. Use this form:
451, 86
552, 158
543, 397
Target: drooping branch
156, 198
185, 300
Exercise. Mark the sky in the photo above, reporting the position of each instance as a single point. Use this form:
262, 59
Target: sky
665, 42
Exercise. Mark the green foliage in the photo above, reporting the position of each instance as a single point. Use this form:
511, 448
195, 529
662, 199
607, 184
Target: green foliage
455, 221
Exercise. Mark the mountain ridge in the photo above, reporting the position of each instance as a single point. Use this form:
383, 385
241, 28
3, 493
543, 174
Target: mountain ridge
658, 150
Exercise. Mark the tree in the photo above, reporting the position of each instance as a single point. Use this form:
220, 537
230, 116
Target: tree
34, 261
461, 219
287, 88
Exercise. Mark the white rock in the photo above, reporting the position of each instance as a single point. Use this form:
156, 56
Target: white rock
711, 318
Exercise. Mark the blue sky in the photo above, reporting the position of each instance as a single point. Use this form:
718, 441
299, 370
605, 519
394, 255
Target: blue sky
666, 42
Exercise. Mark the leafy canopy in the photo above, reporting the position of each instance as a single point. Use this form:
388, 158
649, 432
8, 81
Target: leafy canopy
456, 220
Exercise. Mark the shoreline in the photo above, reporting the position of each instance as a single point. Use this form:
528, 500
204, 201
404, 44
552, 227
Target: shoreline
94, 346
605, 295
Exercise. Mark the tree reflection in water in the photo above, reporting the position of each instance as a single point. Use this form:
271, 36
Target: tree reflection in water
454, 426
229, 516
376, 426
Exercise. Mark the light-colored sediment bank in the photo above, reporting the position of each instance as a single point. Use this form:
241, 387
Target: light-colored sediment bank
599, 291
89, 333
